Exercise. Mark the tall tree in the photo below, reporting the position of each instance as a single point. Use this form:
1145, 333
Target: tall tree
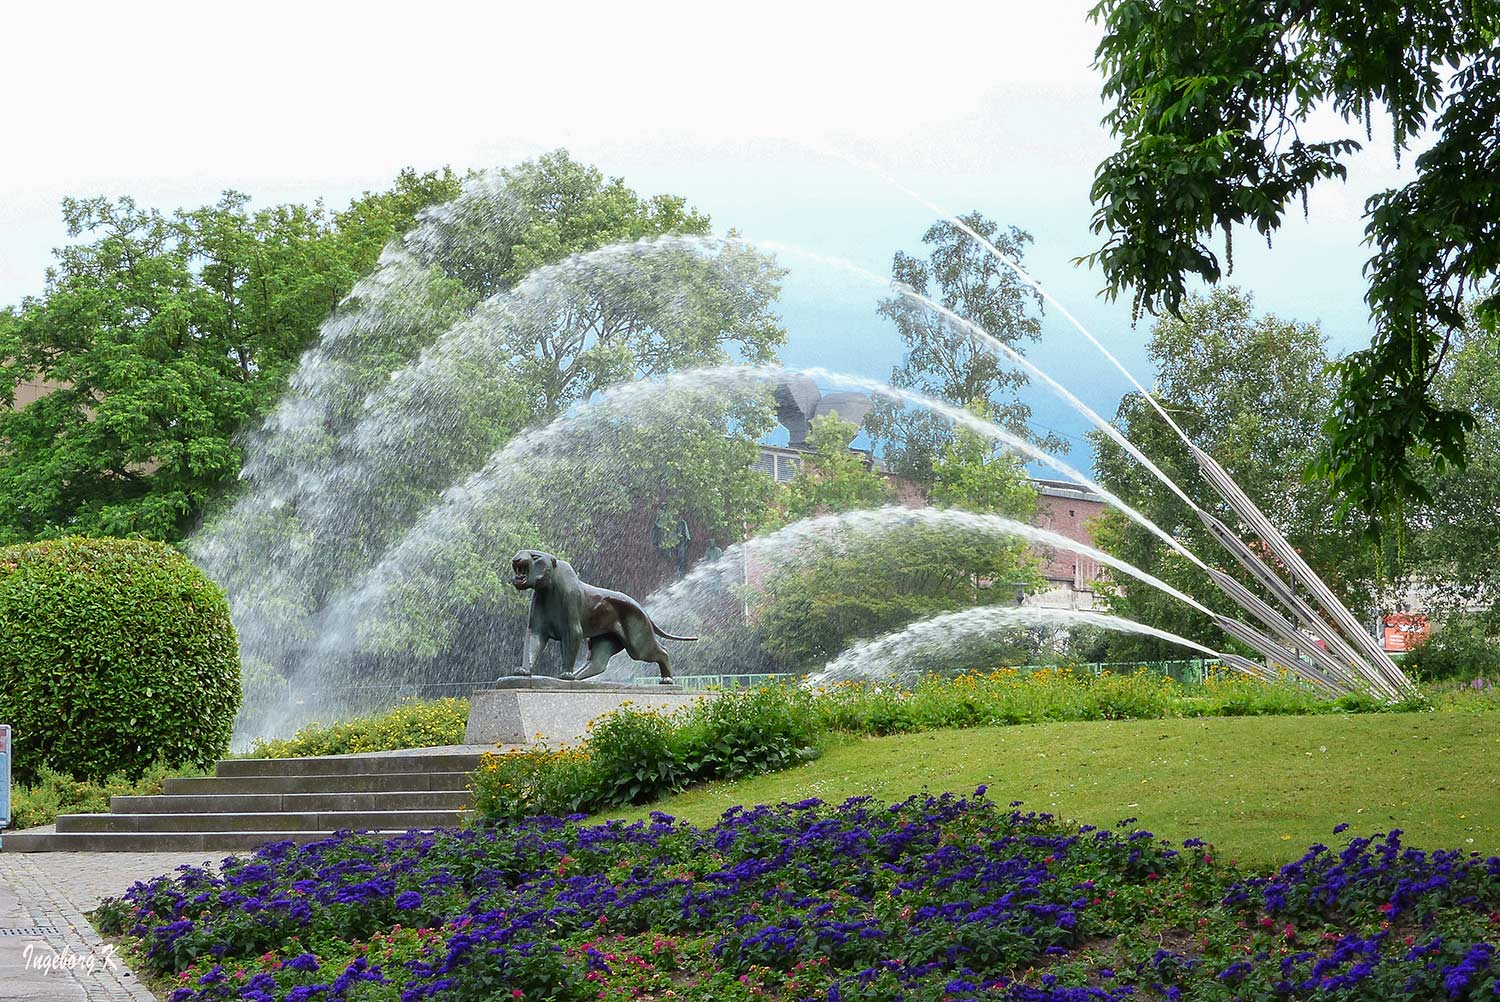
942, 359
163, 335
1250, 390
1455, 553
1211, 101
832, 478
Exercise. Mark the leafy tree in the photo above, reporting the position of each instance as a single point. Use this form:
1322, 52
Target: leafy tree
164, 335
857, 585
975, 474
1249, 390
942, 359
1455, 552
640, 312
832, 478
518, 301
1210, 102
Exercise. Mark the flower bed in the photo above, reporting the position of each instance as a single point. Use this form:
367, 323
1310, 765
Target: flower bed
934, 898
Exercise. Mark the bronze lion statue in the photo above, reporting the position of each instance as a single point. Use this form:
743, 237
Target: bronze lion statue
565, 609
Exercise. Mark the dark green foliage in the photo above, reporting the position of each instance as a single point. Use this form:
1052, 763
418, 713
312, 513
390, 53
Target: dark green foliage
857, 586
164, 336
1209, 101
631, 754
118, 654
1464, 648
1455, 552
745, 732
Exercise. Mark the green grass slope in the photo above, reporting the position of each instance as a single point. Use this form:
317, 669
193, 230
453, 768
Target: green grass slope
1260, 788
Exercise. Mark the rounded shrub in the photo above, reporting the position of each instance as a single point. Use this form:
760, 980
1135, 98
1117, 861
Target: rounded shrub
117, 653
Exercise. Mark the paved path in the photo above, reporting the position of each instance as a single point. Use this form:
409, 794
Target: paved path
48, 950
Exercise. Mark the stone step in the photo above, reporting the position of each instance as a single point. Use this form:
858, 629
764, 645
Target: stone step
351, 783
260, 803
343, 765
43, 840
280, 821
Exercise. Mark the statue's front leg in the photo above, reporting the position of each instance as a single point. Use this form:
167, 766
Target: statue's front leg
569, 650
531, 651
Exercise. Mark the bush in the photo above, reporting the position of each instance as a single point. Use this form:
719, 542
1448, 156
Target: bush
526, 782
632, 756
631, 752
744, 732
411, 724
118, 653
1462, 649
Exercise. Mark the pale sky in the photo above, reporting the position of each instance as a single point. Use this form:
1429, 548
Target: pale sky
743, 109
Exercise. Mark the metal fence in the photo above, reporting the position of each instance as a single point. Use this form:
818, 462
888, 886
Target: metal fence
700, 682
1186, 670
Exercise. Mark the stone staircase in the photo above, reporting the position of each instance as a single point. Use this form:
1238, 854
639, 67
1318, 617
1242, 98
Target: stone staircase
248, 802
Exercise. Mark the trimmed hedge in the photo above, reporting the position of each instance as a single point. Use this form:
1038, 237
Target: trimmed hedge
117, 654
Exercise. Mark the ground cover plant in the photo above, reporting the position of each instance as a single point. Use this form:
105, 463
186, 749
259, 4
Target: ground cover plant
411, 724
931, 898
634, 756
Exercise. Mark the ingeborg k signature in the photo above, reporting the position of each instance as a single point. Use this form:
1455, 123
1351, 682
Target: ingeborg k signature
40, 956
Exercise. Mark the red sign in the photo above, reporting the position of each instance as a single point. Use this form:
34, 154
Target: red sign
1404, 630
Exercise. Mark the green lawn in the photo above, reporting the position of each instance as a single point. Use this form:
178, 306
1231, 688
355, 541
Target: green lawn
1261, 788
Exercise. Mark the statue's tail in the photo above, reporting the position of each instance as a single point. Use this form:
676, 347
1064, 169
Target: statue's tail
667, 636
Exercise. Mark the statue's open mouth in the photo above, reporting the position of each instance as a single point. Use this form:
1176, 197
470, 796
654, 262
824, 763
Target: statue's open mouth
519, 580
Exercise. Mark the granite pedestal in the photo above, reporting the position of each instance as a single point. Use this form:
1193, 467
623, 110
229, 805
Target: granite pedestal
521, 710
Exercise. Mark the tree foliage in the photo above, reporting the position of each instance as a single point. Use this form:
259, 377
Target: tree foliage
1249, 390
942, 359
832, 477
856, 584
416, 449
164, 335
1455, 551
1211, 101
118, 654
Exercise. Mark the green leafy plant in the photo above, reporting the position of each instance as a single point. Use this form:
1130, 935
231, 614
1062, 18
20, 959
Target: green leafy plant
743, 732
632, 756
411, 724
1211, 103
118, 653
524, 782
1462, 649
